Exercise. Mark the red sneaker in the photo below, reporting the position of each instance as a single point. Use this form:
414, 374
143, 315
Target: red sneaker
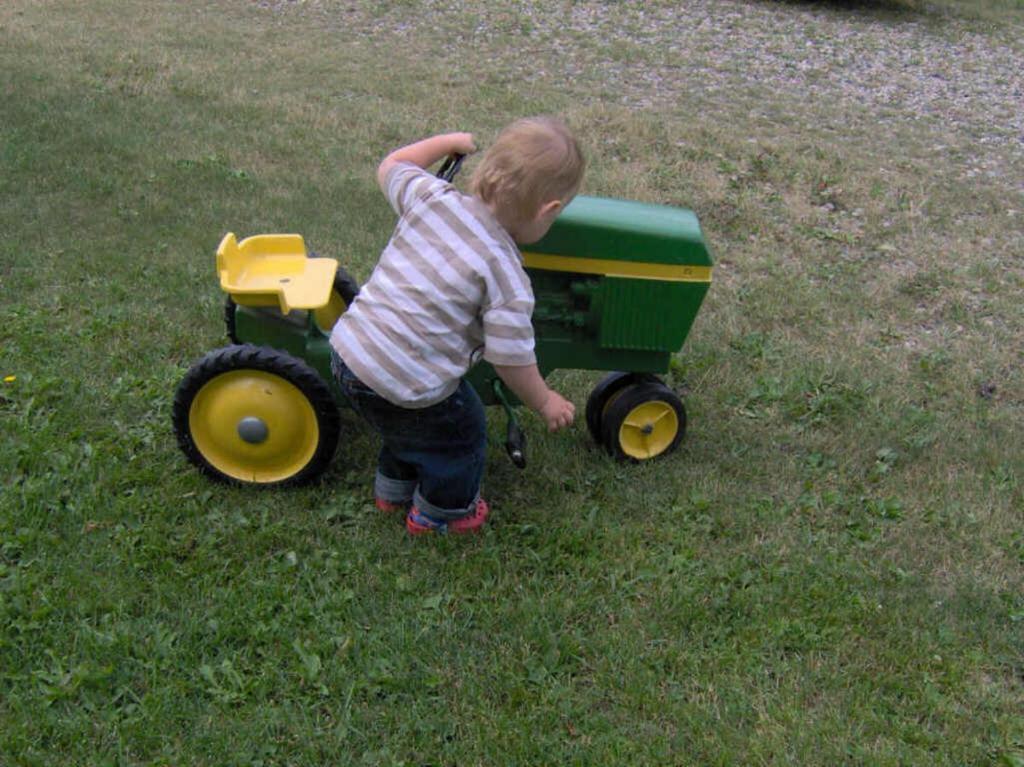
418, 523
388, 506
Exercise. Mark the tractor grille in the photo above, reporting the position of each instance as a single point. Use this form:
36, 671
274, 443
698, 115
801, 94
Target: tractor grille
647, 315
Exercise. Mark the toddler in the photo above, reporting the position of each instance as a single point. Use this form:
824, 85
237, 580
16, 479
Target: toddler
448, 290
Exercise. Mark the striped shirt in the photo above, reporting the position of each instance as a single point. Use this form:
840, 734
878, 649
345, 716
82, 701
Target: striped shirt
449, 288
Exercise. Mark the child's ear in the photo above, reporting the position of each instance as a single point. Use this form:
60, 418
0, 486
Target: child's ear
550, 208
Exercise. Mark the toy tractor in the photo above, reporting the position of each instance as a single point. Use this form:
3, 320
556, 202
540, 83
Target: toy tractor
618, 285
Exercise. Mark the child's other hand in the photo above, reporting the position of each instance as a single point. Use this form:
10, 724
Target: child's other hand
557, 411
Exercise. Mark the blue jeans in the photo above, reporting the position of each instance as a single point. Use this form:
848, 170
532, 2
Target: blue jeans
434, 456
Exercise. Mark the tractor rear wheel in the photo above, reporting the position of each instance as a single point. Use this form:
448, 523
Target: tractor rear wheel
253, 415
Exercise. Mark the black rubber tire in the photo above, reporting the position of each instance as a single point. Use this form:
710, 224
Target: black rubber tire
633, 397
229, 319
267, 360
605, 390
345, 286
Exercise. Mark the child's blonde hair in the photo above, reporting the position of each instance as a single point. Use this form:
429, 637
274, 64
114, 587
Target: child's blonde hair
534, 160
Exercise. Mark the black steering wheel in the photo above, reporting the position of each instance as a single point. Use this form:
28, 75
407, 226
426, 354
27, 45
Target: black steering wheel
450, 167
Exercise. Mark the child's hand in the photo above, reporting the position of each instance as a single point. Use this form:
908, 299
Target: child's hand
557, 411
526, 382
462, 143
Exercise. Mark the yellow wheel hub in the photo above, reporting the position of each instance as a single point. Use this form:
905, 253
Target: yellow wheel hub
254, 426
648, 430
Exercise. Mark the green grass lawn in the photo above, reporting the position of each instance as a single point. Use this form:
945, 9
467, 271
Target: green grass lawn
829, 571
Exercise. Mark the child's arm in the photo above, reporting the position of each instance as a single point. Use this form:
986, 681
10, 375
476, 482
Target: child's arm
426, 152
526, 383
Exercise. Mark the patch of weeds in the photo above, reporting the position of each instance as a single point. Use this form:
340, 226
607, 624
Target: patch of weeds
932, 363
821, 462
867, 515
1014, 758
693, 363
62, 681
311, 667
826, 194
224, 683
755, 346
212, 168
890, 508
31, 399
727, 167
764, 164
885, 461
824, 398
755, 174
1014, 546
821, 509
724, 216
957, 312
760, 400
348, 510
826, 234
1004, 477
920, 429
924, 283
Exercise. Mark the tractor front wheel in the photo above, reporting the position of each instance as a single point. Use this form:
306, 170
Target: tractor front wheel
643, 421
253, 415
606, 391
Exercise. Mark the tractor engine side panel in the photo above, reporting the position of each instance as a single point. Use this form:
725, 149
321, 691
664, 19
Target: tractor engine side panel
648, 315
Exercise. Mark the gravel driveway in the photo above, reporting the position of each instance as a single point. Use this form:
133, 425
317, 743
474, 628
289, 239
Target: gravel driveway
855, 72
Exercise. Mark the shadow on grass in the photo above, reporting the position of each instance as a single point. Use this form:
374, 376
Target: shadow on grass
891, 9
905, 10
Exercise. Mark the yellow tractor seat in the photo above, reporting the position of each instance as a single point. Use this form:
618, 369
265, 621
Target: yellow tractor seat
273, 269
